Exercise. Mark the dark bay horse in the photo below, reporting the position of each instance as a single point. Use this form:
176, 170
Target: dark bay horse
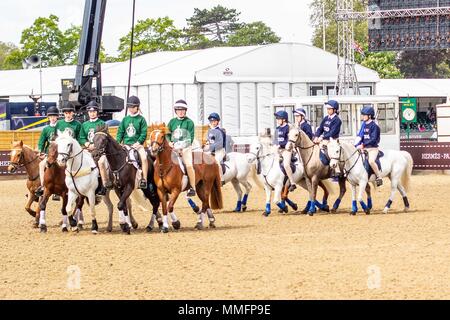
169, 179
124, 177
23, 156
54, 183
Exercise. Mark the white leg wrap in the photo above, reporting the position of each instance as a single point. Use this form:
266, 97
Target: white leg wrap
128, 220
152, 220
173, 217
165, 221
122, 219
201, 217
65, 221
42, 218
210, 215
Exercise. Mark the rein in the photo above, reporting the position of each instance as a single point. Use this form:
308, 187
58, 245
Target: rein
344, 161
19, 164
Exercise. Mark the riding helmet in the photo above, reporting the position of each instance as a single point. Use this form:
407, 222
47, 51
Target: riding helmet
332, 104
92, 106
300, 112
180, 105
281, 115
52, 111
133, 101
214, 116
68, 107
368, 110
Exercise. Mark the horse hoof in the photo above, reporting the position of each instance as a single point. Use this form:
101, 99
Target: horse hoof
80, 226
280, 211
244, 208
333, 210
109, 229
198, 226
325, 208
176, 225
32, 213
266, 214
295, 207
43, 228
310, 213
196, 209
94, 231
149, 229
164, 230
367, 211
353, 213
135, 226
304, 211
212, 225
65, 229
74, 229
406, 209
72, 221
385, 210
286, 209
36, 225
125, 228
94, 227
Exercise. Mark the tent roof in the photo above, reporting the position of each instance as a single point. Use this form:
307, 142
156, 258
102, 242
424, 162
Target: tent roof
280, 62
414, 87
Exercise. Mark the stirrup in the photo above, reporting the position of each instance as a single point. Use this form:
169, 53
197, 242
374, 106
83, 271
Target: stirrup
379, 182
109, 185
191, 192
101, 191
56, 197
142, 184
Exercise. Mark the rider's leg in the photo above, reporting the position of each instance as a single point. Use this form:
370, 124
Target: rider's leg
39, 191
373, 153
287, 156
102, 165
219, 155
143, 155
187, 159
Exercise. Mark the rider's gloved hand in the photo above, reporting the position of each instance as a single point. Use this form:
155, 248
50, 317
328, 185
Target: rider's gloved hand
360, 147
136, 145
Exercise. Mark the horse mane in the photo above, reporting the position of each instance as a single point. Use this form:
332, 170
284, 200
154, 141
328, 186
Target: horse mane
17, 144
159, 126
102, 128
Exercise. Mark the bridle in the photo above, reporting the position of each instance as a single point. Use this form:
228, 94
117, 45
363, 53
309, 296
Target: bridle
304, 148
344, 161
20, 163
102, 151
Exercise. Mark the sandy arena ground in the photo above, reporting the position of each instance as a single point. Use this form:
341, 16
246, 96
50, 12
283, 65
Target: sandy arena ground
394, 256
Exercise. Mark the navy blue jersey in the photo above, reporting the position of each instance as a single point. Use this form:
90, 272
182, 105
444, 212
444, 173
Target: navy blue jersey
306, 128
329, 127
216, 139
371, 135
282, 136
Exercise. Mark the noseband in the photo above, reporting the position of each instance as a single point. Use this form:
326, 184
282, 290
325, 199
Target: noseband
20, 163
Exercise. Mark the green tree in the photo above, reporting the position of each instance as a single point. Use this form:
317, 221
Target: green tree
151, 35
425, 63
13, 60
5, 50
252, 34
215, 24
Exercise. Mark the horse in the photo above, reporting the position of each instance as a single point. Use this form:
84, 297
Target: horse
314, 169
81, 174
275, 180
238, 170
54, 183
23, 156
168, 177
397, 165
124, 179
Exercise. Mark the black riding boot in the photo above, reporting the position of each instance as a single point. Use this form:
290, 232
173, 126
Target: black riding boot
101, 190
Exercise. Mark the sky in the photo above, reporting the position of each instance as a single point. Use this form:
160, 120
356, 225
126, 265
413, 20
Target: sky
288, 18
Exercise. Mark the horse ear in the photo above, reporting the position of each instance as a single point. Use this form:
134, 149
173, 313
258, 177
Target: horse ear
21, 143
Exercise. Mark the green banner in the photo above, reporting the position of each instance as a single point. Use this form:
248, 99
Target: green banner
409, 110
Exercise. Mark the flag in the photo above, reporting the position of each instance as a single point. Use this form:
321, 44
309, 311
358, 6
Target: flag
359, 49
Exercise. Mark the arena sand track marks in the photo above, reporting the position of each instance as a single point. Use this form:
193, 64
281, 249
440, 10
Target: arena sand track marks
399, 255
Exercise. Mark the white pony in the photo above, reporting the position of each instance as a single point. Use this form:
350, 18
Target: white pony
397, 165
238, 170
81, 173
275, 180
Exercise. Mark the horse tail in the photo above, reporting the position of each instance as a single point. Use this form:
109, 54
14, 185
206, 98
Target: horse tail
329, 186
406, 176
216, 191
137, 196
254, 176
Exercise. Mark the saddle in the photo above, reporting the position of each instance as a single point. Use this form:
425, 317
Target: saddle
134, 158
323, 155
377, 161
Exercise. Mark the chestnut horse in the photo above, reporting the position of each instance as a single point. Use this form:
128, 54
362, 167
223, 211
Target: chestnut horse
23, 156
54, 183
168, 177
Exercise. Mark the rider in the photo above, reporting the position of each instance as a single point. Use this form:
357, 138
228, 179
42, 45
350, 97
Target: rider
87, 139
282, 138
216, 140
329, 127
302, 123
370, 139
47, 136
133, 132
180, 137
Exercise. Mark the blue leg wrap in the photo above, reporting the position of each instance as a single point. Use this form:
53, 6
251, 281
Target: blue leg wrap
238, 206
289, 201
318, 204
281, 205
268, 208
336, 204
192, 203
388, 204
363, 205
312, 207
244, 199
324, 203
308, 205
369, 203
354, 206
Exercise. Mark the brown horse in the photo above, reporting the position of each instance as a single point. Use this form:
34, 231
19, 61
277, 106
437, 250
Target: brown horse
54, 183
169, 179
23, 156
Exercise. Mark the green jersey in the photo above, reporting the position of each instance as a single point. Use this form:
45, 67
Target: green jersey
132, 130
47, 135
88, 130
73, 127
181, 130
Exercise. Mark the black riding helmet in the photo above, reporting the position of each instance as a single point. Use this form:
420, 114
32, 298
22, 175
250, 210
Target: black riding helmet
52, 111
133, 101
92, 106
